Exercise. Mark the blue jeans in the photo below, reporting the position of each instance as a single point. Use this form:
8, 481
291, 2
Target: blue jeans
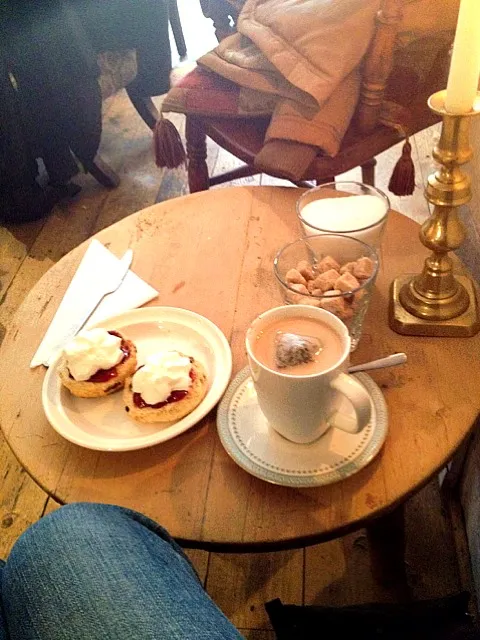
91, 571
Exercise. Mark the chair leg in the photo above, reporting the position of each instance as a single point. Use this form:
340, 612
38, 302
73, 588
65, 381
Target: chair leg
386, 538
196, 139
145, 108
326, 180
102, 173
368, 172
174, 19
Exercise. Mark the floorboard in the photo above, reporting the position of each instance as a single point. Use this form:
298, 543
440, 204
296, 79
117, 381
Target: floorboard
339, 572
21, 501
241, 583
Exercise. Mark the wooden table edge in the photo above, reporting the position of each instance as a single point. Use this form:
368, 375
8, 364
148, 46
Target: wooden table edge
287, 544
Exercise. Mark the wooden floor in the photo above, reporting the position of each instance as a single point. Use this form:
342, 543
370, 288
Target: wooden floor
334, 573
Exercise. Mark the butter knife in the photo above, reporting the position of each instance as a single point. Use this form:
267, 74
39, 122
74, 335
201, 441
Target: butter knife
111, 284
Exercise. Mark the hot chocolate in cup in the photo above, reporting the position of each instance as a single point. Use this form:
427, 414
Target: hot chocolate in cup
298, 357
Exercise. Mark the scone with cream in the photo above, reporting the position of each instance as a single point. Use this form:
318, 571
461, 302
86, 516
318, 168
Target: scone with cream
97, 362
166, 388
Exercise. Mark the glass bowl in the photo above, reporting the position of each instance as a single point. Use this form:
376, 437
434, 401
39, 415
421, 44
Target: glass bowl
349, 301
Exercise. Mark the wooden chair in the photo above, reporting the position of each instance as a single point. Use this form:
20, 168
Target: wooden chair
174, 19
117, 70
222, 13
365, 137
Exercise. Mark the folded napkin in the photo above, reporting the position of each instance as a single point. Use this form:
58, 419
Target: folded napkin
98, 260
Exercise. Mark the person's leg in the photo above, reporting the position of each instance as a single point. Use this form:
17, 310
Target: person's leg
91, 571
3, 629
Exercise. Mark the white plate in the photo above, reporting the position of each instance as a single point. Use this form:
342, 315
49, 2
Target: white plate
260, 450
102, 423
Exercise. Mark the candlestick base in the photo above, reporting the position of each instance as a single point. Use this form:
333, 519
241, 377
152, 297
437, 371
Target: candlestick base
465, 325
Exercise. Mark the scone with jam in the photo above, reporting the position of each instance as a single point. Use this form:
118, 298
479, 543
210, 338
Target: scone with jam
166, 388
97, 362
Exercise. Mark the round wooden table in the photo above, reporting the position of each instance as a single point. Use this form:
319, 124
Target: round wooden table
212, 252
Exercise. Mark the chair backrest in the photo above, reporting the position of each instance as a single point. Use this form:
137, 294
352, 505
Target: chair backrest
221, 12
378, 64
406, 74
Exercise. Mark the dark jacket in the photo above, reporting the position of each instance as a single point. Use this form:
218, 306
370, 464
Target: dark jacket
49, 49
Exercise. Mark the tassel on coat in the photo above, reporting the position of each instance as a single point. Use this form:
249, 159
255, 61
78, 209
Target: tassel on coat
168, 145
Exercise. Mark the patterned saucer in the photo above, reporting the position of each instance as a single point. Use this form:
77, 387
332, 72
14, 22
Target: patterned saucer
260, 450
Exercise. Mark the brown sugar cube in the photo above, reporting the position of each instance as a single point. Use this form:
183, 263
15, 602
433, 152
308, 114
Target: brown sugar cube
358, 296
348, 267
306, 270
300, 291
326, 280
310, 301
346, 313
299, 288
337, 306
293, 298
363, 268
295, 277
326, 264
311, 286
332, 292
347, 282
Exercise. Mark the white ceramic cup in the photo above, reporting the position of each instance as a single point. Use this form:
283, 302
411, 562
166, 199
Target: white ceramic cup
302, 408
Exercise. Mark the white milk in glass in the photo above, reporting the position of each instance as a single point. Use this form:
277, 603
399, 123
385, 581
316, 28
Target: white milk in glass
350, 214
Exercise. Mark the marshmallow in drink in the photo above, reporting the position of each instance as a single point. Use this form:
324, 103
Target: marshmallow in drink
358, 216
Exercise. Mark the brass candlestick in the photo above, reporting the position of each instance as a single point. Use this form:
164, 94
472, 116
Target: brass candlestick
438, 302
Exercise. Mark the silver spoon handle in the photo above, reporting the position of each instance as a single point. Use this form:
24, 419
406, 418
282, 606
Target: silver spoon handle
389, 361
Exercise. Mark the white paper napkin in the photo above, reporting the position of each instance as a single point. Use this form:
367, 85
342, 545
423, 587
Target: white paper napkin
132, 293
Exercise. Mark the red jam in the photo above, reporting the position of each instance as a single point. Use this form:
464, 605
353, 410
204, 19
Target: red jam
104, 375
175, 396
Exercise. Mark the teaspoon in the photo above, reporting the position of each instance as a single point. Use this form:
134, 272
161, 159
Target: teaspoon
390, 361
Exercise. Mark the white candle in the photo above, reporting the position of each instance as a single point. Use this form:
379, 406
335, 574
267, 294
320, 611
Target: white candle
465, 65
362, 217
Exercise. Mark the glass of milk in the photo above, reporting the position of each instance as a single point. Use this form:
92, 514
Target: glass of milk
351, 208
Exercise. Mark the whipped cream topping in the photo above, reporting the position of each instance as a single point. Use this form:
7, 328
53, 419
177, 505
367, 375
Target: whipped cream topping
162, 373
90, 351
